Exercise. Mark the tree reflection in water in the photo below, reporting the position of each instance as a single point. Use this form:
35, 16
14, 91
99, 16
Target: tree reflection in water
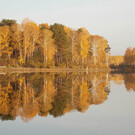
28, 95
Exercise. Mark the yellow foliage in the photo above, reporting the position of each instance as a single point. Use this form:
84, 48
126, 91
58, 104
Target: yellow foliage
4, 41
85, 43
116, 60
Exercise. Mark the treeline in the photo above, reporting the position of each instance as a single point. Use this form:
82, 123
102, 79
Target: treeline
43, 46
129, 57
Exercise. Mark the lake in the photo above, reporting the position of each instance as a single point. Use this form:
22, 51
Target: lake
67, 103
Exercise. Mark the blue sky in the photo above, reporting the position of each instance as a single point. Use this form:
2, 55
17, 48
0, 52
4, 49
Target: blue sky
112, 19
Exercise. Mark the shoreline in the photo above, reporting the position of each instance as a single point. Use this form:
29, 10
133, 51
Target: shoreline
30, 70
59, 70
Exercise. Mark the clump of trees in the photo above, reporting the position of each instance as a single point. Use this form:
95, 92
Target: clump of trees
125, 63
129, 57
43, 46
116, 60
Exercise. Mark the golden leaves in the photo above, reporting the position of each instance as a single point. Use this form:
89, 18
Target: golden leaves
4, 40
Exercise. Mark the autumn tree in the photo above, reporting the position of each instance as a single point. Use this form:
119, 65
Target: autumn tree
30, 34
99, 44
47, 45
5, 47
17, 43
129, 56
73, 42
79, 42
84, 43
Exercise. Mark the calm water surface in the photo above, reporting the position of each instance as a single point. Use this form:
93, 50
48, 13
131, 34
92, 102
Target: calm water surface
67, 104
